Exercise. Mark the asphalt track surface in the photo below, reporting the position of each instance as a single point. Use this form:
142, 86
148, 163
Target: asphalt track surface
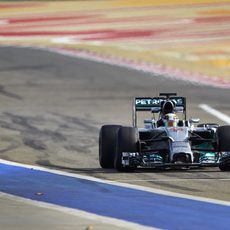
52, 107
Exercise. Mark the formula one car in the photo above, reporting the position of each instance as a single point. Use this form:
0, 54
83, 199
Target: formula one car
165, 142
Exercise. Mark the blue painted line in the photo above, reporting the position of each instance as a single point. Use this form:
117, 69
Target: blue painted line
145, 208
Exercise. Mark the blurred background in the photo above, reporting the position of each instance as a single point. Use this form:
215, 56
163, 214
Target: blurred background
179, 38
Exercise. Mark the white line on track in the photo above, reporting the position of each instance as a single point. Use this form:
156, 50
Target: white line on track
215, 113
125, 185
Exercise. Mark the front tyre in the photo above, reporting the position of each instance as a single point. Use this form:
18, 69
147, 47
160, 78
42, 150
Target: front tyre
224, 164
223, 138
107, 145
223, 143
127, 141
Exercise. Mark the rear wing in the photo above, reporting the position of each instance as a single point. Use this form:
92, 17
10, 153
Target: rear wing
153, 104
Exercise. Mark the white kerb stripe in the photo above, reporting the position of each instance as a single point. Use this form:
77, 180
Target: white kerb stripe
216, 113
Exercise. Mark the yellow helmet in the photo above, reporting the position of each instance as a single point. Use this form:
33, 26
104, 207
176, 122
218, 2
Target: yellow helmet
170, 120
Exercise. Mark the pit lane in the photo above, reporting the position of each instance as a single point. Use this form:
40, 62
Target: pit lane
52, 107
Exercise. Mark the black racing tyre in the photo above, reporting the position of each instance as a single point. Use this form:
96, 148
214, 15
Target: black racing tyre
225, 163
127, 141
223, 138
107, 145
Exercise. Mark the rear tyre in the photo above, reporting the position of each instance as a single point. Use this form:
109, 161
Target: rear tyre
107, 145
127, 141
223, 143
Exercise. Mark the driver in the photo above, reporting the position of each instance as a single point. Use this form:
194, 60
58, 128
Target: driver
170, 120
167, 117
167, 107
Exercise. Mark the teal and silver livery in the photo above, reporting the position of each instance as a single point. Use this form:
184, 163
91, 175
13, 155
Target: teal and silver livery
167, 139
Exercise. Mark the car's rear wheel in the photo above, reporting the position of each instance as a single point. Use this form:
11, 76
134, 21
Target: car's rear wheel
223, 143
107, 145
127, 141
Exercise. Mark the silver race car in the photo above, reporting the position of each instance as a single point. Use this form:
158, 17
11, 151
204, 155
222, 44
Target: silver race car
168, 141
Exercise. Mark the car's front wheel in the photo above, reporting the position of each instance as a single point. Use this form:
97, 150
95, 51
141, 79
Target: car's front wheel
223, 143
107, 145
127, 141
225, 163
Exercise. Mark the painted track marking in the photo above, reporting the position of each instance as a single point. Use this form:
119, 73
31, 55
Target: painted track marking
111, 199
125, 185
215, 113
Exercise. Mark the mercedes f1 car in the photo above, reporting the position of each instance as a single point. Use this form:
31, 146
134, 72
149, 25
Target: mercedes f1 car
166, 141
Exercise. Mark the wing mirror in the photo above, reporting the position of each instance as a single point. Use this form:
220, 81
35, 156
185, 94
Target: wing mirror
155, 110
179, 109
148, 121
194, 120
